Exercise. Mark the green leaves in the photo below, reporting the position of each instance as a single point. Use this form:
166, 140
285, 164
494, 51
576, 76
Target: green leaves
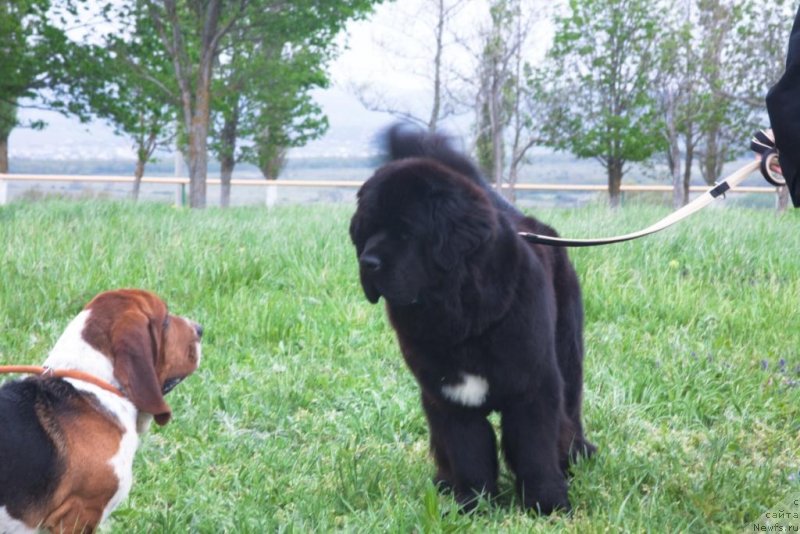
602, 57
272, 61
135, 88
38, 59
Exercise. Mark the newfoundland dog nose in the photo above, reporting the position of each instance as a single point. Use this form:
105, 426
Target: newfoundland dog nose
370, 262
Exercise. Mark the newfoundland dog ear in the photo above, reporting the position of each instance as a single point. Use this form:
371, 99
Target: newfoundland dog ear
370, 291
355, 226
463, 220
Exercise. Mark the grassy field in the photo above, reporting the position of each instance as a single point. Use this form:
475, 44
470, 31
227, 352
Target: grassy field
303, 417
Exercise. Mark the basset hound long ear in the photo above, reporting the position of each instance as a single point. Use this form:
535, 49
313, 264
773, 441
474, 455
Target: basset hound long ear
136, 346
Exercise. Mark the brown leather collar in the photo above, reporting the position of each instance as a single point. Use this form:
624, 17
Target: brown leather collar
61, 373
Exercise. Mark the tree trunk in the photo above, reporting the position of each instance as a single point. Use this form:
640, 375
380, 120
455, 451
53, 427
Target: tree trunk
497, 155
437, 71
198, 163
483, 141
497, 133
227, 153
4, 153
614, 181
8, 119
513, 178
137, 178
687, 164
674, 160
198, 142
713, 159
195, 89
225, 173
673, 154
688, 160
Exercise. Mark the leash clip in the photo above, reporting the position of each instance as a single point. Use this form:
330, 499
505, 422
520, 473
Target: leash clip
719, 189
47, 372
723, 191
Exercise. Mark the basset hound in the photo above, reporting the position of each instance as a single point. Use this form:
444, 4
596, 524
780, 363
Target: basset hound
66, 444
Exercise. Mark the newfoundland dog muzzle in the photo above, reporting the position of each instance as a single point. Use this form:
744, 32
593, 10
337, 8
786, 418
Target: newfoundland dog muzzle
485, 321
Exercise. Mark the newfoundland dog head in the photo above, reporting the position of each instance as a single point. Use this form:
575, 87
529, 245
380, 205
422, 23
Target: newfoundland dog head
485, 321
419, 221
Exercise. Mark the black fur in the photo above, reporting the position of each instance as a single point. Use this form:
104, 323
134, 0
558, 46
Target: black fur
30, 466
466, 295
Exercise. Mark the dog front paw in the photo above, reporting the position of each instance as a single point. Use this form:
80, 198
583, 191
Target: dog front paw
443, 484
545, 499
468, 495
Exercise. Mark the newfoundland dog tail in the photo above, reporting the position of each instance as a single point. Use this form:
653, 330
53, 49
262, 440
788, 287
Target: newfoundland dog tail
405, 140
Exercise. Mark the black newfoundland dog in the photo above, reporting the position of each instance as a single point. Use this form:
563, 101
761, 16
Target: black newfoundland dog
485, 321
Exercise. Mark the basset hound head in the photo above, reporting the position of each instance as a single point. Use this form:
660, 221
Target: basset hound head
151, 350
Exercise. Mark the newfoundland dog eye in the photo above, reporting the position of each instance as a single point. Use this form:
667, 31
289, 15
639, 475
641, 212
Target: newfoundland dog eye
400, 234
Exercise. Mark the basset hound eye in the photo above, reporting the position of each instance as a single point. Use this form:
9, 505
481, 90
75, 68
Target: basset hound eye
166, 322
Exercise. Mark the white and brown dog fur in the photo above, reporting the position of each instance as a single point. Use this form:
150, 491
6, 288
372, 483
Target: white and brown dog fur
66, 445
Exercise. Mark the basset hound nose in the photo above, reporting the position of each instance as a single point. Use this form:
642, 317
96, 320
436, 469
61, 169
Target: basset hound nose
199, 329
370, 262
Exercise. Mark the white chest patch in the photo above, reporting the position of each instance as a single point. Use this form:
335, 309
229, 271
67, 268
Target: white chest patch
471, 391
122, 461
9, 525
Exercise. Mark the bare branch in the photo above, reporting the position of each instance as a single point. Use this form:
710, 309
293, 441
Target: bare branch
376, 101
174, 44
145, 74
234, 19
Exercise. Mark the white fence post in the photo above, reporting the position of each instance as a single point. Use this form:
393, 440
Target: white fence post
3, 192
271, 196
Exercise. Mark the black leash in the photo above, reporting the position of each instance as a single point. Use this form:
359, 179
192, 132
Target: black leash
762, 143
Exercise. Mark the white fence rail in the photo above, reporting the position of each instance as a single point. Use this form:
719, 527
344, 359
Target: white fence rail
182, 183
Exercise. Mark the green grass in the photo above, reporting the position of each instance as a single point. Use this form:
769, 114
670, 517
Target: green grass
303, 417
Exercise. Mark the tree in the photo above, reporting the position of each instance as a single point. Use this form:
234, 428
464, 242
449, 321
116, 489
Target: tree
598, 78
752, 47
727, 117
756, 48
151, 124
8, 120
289, 118
263, 100
494, 85
770, 61
194, 33
503, 101
681, 95
39, 61
714, 67
739, 65
434, 21
270, 116
136, 92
